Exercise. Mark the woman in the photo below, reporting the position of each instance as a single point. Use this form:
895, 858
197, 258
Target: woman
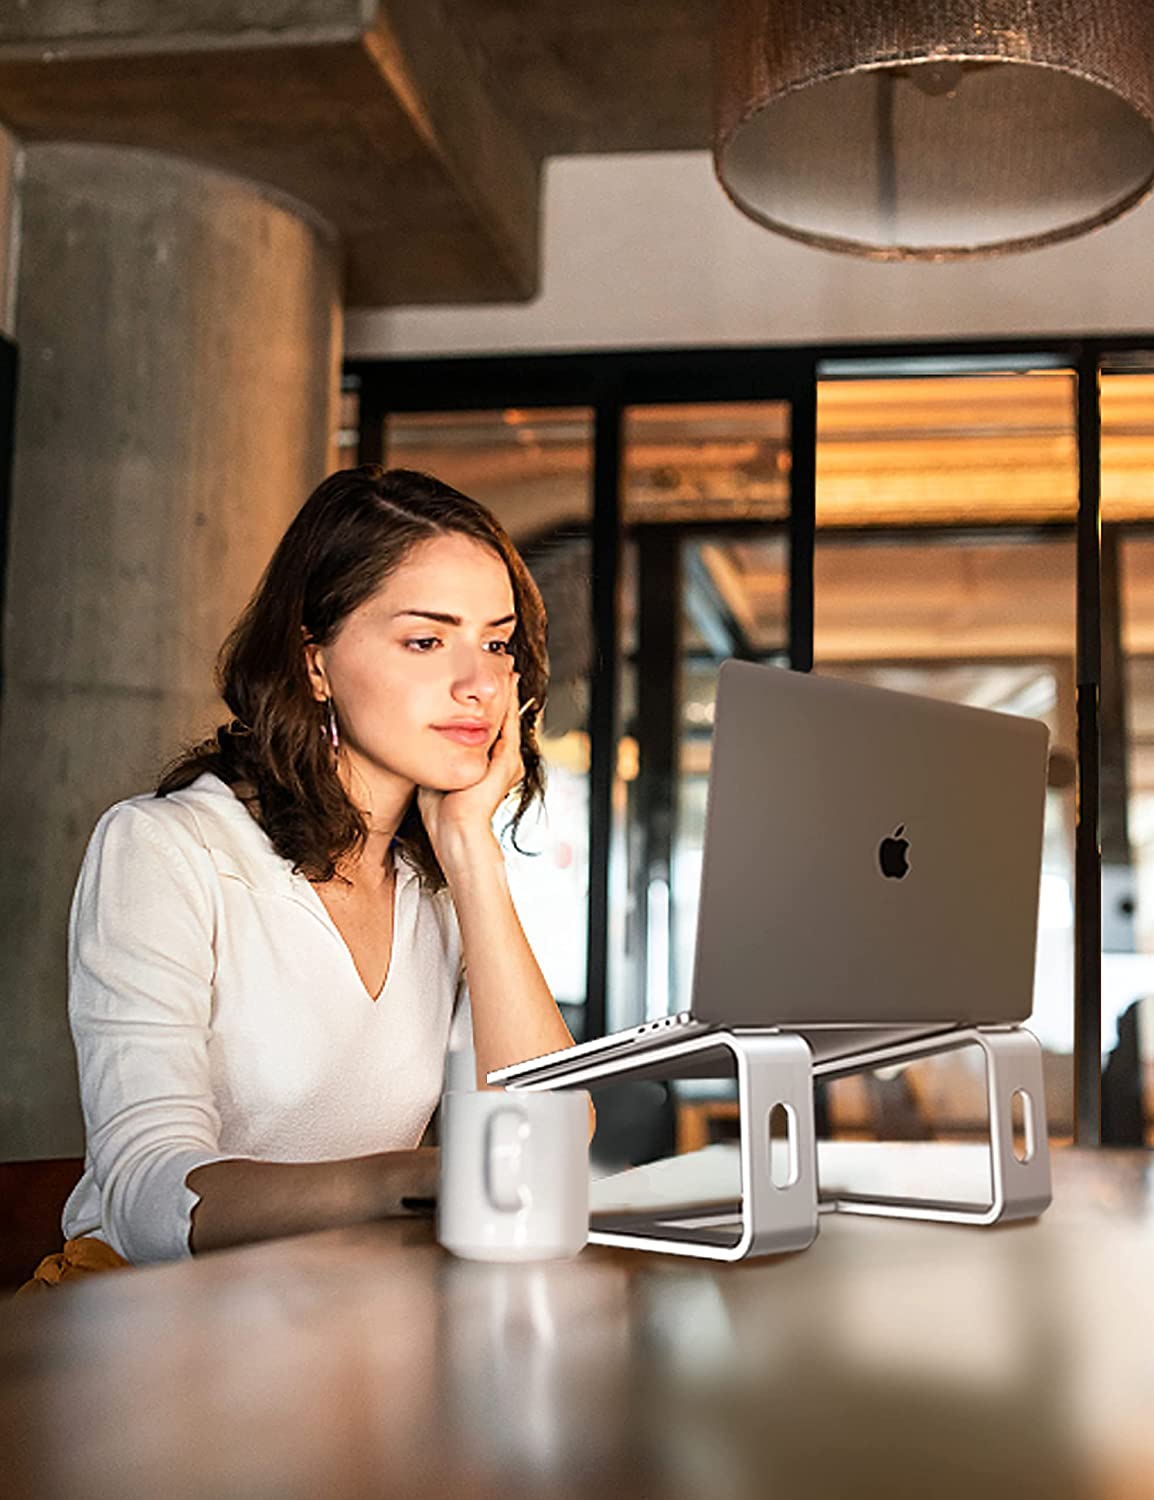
266, 956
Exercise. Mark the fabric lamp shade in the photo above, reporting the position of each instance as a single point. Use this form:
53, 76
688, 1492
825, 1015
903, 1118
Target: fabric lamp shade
934, 129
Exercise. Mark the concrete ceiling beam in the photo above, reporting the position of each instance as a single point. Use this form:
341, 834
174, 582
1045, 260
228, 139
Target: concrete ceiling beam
594, 76
371, 112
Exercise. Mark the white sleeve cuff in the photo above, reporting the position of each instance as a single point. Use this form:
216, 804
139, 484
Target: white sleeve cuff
151, 1215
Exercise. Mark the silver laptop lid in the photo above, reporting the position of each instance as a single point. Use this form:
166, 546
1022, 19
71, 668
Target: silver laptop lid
869, 856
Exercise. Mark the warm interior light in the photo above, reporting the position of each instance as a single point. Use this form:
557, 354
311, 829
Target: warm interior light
908, 129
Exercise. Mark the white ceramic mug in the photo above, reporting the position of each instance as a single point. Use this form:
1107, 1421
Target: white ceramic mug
514, 1174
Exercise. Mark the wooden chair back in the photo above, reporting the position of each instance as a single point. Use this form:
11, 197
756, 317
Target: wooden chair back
32, 1197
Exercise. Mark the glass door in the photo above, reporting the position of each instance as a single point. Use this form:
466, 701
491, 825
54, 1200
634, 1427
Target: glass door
1127, 751
706, 501
945, 565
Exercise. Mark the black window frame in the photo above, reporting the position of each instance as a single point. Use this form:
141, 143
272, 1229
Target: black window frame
609, 382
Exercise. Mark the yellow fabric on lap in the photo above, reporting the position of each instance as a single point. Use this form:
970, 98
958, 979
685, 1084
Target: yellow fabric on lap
83, 1256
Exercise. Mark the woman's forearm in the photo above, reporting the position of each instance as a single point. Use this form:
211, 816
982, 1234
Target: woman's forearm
243, 1201
514, 1014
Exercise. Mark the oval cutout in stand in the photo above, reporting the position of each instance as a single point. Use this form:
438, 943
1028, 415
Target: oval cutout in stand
784, 1165
1022, 1125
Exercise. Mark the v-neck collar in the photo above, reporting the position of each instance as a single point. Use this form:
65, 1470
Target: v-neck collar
318, 906
252, 858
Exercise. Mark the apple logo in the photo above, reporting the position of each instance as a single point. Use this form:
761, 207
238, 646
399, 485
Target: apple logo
892, 855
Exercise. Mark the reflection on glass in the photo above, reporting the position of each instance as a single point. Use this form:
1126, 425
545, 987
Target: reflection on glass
734, 603
1128, 863
705, 462
685, 465
982, 619
622, 1001
950, 451
1126, 805
532, 468
991, 626
1127, 448
735, 596
943, 600
691, 466
346, 440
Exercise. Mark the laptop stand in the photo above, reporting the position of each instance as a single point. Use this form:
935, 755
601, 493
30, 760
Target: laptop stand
779, 1204
1019, 1169
772, 1068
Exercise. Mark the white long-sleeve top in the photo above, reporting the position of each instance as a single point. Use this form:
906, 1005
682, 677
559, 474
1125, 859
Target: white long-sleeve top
217, 1013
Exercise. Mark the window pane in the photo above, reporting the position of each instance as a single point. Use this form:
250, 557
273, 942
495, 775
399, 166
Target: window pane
1127, 448
942, 599
984, 619
1127, 750
754, 589
992, 626
530, 467
346, 441
958, 451
706, 462
625, 997
736, 595
533, 468
725, 594
1128, 865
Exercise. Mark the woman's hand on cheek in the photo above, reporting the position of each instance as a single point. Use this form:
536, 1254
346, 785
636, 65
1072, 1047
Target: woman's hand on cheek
457, 821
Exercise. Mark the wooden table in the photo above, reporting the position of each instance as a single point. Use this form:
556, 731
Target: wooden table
888, 1360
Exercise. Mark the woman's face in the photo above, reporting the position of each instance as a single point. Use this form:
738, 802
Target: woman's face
420, 673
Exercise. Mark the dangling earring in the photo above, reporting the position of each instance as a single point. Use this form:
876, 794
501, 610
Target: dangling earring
334, 736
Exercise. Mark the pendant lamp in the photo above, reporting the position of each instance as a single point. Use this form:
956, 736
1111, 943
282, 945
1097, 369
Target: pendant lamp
934, 129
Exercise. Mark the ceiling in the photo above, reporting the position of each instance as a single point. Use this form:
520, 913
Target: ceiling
417, 128
597, 76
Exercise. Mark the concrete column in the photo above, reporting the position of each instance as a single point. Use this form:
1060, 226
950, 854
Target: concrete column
179, 341
9, 227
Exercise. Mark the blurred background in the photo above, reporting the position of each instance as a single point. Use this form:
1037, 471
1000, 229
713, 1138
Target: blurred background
945, 503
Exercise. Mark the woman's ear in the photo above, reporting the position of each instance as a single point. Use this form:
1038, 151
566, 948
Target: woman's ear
315, 667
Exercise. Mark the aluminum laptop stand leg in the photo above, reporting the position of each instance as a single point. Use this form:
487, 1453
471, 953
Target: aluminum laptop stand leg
1019, 1168
778, 1207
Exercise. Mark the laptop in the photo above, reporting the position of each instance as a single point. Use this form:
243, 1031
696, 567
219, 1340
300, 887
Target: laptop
870, 870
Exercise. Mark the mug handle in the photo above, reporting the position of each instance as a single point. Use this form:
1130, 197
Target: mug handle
505, 1150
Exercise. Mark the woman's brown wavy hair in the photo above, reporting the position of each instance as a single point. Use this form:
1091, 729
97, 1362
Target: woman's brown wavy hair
354, 530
